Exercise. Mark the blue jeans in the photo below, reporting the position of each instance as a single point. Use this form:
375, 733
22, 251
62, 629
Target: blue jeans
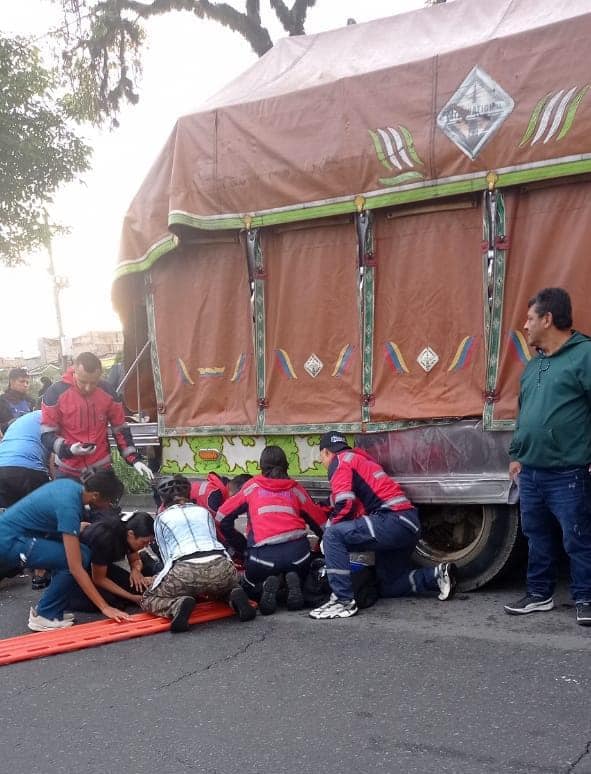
548, 496
40, 553
393, 535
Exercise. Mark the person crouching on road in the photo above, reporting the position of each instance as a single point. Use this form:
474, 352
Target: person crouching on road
279, 513
110, 540
196, 564
43, 531
371, 513
210, 494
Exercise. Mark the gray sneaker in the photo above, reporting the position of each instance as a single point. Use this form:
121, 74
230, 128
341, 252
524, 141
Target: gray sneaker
335, 608
37, 623
529, 604
583, 613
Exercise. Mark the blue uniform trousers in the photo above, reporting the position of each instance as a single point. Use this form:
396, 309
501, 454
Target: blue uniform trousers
393, 536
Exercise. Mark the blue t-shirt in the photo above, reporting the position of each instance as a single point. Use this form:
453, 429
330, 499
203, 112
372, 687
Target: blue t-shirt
21, 446
50, 511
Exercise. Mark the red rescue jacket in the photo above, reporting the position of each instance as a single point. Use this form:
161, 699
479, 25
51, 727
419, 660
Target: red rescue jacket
278, 510
210, 493
68, 416
358, 485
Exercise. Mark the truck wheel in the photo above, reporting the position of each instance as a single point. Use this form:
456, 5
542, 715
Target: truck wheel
480, 539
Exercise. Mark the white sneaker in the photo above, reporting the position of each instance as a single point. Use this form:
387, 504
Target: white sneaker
37, 623
335, 608
446, 573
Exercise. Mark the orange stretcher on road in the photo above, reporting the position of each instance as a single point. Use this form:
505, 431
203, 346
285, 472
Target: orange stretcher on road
88, 635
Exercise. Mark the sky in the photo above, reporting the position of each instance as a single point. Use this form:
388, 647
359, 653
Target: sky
186, 61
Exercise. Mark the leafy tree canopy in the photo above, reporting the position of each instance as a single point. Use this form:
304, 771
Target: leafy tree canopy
40, 150
102, 43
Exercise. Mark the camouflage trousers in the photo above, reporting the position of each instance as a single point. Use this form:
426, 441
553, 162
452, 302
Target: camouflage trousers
207, 580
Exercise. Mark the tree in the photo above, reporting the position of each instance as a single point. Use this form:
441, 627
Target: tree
102, 42
40, 150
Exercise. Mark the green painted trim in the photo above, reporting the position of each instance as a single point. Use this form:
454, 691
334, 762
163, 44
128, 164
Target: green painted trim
572, 112
149, 259
260, 349
403, 177
367, 317
496, 320
157, 373
374, 200
410, 145
502, 424
533, 120
406, 424
485, 303
379, 151
347, 427
181, 432
544, 173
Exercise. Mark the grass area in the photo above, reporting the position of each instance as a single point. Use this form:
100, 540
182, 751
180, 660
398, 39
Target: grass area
133, 482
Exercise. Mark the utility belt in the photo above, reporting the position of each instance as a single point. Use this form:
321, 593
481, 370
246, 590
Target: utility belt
200, 555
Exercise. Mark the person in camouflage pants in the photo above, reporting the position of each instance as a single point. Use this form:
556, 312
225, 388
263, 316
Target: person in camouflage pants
196, 564
211, 580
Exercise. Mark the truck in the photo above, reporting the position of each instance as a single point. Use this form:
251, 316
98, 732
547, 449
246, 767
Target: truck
346, 237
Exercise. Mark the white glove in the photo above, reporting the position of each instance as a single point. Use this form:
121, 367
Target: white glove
80, 449
143, 470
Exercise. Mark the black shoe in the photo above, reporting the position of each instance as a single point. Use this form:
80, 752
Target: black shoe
240, 604
295, 598
180, 623
583, 613
268, 603
40, 582
529, 604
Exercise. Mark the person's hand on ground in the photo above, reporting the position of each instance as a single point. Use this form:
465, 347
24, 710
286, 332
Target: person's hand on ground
115, 615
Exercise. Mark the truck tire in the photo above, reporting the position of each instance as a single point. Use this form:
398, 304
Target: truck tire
482, 540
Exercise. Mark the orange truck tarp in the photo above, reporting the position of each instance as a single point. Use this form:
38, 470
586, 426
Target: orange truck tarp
425, 108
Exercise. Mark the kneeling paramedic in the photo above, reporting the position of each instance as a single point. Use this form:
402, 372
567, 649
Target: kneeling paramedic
279, 513
195, 562
371, 513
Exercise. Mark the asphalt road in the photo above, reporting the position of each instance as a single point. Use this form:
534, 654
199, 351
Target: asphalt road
408, 686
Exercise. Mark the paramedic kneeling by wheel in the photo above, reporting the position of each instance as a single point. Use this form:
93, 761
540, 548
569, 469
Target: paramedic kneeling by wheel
371, 513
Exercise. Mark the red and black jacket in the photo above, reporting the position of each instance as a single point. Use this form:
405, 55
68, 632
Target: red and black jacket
359, 486
210, 493
68, 416
278, 510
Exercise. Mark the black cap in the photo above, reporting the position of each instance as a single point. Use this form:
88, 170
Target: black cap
333, 441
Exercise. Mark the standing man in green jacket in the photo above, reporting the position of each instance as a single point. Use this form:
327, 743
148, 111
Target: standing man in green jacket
551, 454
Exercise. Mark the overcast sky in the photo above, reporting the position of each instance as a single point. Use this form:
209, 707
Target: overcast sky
186, 61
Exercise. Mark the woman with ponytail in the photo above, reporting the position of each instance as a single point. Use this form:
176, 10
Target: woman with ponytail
279, 514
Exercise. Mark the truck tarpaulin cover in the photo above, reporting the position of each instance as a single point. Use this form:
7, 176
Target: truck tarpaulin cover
380, 116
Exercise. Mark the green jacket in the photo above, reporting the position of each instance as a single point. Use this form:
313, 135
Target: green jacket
553, 429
